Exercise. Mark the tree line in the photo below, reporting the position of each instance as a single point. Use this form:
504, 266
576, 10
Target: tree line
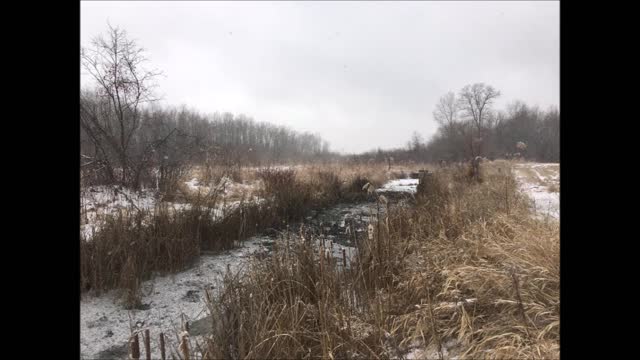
469, 126
127, 138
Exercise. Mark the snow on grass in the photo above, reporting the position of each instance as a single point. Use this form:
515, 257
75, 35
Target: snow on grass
226, 188
543, 165
98, 202
193, 184
106, 326
109, 199
105, 323
450, 350
279, 167
535, 181
400, 185
218, 213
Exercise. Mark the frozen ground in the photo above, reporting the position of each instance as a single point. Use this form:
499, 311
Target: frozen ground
450, 350
105, 325
400, 185
97, 202
226, 187
541, 182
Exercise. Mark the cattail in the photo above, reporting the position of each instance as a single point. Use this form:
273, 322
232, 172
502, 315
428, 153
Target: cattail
162, 351
184, 344
135, 347
147, 344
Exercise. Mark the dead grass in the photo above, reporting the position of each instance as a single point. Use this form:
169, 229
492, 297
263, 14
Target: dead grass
127, 250
133, 245
467, 272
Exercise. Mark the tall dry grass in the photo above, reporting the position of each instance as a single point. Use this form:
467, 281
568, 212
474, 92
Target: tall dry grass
135, 244
467, 272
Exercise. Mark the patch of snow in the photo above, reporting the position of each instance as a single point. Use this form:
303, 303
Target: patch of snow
544, 202
104, 324
193, 184
538, 165
280, 167
453, 305
98, 202
111, 198
450, 350
400, 185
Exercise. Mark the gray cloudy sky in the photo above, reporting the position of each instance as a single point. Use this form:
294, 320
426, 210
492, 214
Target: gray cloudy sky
361, 74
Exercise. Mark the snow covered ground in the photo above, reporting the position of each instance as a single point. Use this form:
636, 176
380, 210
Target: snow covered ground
225, 187
400, 185
97, 202
450, 350
541, 182
105, 325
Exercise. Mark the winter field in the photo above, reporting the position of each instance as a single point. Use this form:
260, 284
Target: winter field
170, 301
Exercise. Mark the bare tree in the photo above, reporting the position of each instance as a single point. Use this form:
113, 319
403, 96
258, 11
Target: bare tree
111, 115
446, 112
127, 140
475, 101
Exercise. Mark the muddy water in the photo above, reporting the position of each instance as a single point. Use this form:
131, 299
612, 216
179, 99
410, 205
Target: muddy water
343, 226
340, 227
169, 300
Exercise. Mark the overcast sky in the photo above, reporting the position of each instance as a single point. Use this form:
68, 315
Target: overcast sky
361, 74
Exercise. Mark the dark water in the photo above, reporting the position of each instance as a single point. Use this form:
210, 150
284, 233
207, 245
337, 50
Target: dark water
338, 228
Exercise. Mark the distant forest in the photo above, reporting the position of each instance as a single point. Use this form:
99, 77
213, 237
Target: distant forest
470, 127
126, 137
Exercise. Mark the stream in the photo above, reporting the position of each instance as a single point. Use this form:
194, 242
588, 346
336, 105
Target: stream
105, 326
